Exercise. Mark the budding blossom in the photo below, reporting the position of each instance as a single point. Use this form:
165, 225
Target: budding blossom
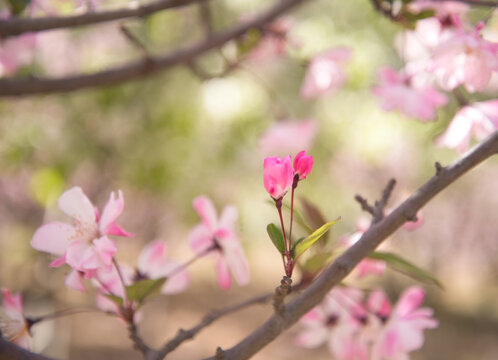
13, 325
355, 330
277, 176
325, 73
302, 165
395, 91
85, 246
217, 238
465, 59
479, 119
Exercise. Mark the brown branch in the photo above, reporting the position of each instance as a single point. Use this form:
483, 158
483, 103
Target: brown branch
9, 351
184, 335
151, 65
138, 342
16, 26
281, 292
344, 264
377, 211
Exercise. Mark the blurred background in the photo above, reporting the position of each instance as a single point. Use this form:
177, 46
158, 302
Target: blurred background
166, 139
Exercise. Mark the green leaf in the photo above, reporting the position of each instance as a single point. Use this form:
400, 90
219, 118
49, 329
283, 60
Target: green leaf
143, 288
18, 6
301, 246
276, 237
115, 299
313, 215
401, 265
316, 262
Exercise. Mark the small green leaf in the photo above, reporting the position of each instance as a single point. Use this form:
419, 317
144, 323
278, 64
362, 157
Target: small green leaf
115, 299
293, 249
401, 265
316, 262
276, 237
143, 288
302, 246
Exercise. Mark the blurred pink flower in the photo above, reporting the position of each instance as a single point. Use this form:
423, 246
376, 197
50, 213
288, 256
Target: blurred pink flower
277, 175
109, 283
274, 40
479, 119
288, 137
465, 59
395, 91
217, 238
403, 331
325, 73
332, 323
13, 325
443, 10
16, 52
84, 246
152, 263
302, 164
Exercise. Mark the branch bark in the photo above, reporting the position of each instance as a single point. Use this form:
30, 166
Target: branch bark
372, 238
17, 26
147, 66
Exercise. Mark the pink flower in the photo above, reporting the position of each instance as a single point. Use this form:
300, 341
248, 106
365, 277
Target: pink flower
302, 164
277, 175
287, 137
84, 246
13, 325
479, 119
403, 331
331, 322
16, 52
396, 92
217, 238
325, 73
152, 263
465, 59
443, 10
273, 42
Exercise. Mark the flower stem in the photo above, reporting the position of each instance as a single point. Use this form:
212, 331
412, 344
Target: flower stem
286, 254
121, 278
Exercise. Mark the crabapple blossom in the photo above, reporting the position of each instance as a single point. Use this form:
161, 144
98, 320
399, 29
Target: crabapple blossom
302, 164
152, 263
444, 11
403, 331
277, 175
396, 91
286, 137
325, 73
110, 283
13, 325
479, 119
85, 246
217, 238
465, 59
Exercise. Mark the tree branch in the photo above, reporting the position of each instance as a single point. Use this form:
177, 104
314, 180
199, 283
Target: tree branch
16, 26
148, 66
345, 263
9, 351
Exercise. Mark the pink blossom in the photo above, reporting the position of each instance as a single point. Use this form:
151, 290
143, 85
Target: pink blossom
273, 42
325, 73
479, 119
217, 238
443, 10
287, 137
332, 323
16, 52
152, 263
302, 164
396, 92
277, 175
13, 325
84, 246
403, 331
465, 59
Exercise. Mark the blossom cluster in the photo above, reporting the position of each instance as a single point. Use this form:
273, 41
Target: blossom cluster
359, 329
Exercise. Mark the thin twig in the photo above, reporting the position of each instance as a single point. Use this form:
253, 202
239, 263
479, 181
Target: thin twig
117, 75
17, 26
370, 240
184, 335
138, 343
377, 211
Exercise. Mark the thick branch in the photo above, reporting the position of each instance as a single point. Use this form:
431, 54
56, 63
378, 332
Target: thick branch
16, 26
148, 66
344, 264
9, 351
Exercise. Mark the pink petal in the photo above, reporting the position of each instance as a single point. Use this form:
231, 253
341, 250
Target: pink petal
177, 282
222, 274
200, 239
313, 337
74, 203
236, 261
410, 299
74, 281
105, 249
53, 237
379, 304
206, 211
58, 262
12, 304
81, 252
151, 256
112, 210
228, 217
